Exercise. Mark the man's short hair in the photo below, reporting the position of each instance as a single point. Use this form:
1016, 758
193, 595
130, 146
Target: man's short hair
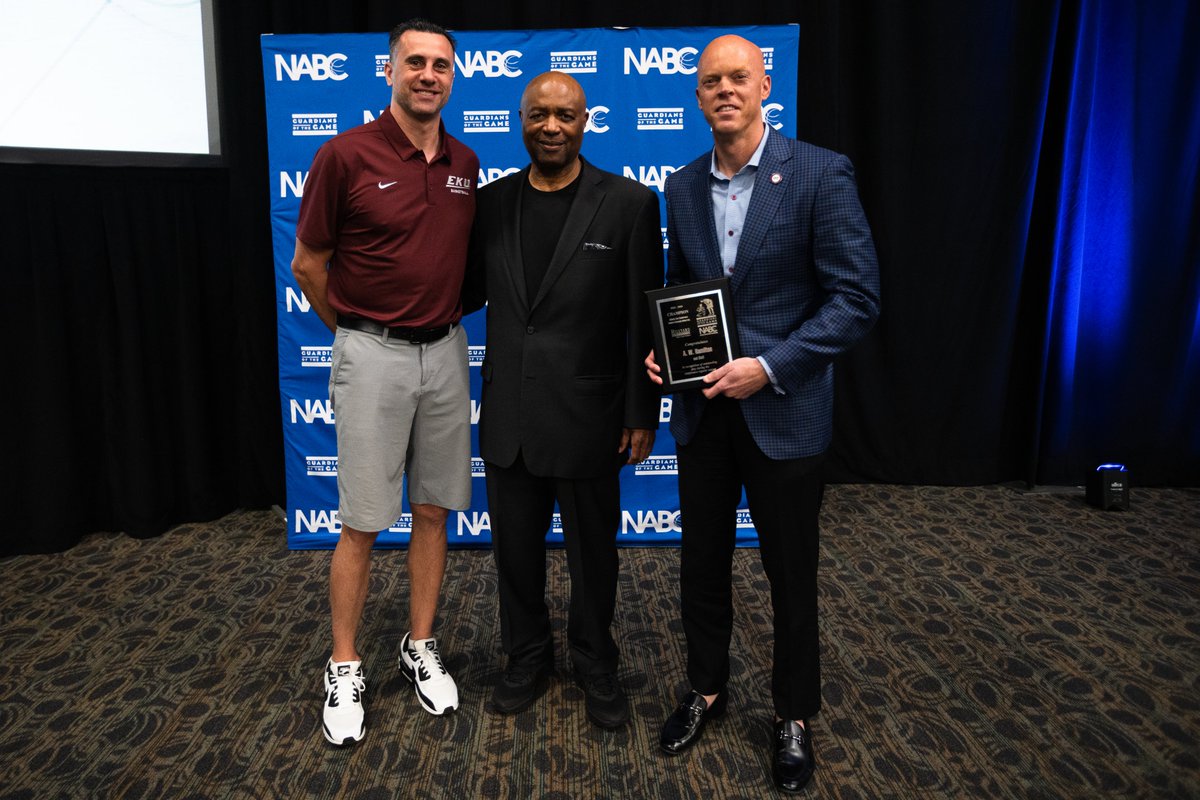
420, 26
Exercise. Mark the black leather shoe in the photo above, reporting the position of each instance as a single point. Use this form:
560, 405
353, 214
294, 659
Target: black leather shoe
519, 686
686, 723
794, 761
604, 699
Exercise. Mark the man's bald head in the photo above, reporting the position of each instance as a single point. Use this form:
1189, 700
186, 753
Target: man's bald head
559, 84
731, 84
553, 116
733, 46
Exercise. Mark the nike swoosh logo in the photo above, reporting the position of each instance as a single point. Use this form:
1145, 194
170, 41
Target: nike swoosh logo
383, 185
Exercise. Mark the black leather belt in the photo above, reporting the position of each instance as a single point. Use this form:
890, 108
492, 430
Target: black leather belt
410, 335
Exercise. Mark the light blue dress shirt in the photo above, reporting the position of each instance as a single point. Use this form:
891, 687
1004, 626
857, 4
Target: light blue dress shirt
730, 199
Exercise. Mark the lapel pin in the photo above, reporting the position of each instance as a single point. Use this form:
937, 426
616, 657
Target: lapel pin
776, 177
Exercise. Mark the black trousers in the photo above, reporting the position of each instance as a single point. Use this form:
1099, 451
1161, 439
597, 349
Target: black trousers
521, 507
785, 503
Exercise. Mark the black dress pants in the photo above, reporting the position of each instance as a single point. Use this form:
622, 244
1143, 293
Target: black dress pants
784, 497
521, 507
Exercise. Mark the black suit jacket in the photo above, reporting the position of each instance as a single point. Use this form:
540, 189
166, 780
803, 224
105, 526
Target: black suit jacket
563, 372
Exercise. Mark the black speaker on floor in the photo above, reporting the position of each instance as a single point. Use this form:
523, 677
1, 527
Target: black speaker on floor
1108, 487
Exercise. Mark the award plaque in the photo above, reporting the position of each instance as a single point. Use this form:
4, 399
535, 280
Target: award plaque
694, 331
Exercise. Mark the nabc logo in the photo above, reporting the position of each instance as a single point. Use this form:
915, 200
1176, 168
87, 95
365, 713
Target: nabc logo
473, 523
597, 119
666, 240
292, 183
316, 520
312, 410
666, 60
296, 300
660, 521
654, 177
475, 355
771, 113
477, 468
490, 174
315, 66
664, 409
492, 63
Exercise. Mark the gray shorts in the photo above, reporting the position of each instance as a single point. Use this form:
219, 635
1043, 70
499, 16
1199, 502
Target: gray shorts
400, 407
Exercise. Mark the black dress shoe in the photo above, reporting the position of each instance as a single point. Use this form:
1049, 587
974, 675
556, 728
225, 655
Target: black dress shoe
604, 700
686, 723
519, 686
794, 761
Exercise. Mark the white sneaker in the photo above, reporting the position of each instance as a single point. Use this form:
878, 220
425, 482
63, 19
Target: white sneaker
421, 664
343, 718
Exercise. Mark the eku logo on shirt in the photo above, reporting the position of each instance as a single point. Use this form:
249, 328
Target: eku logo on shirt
458, 184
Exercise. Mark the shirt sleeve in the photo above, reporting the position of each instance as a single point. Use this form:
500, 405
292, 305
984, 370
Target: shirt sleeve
770, 375
323, 201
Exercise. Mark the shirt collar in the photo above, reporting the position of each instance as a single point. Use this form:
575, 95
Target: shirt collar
753, 162
402, 144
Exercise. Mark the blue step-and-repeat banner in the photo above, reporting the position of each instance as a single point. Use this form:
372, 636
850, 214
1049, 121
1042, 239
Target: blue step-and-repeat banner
645, 124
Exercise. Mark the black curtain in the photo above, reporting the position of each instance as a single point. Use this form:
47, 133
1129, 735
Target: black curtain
141, 299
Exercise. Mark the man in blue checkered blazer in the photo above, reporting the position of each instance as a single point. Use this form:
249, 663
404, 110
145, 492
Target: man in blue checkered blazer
782, 220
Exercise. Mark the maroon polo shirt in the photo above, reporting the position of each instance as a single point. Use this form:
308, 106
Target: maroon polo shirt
398, 226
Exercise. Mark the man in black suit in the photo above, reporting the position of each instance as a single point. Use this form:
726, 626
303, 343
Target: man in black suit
563, 253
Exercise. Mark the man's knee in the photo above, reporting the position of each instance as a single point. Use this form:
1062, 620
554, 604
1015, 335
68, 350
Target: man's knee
356, 538
429, 517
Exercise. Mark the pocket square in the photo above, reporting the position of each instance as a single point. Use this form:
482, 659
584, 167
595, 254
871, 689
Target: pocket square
595, 246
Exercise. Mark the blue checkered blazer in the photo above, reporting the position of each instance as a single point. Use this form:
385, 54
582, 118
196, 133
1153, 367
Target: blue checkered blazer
805, 285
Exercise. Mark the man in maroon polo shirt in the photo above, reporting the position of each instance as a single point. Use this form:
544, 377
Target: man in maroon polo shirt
381, 249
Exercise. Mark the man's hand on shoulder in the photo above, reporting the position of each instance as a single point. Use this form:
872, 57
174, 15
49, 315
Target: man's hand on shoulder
738, 379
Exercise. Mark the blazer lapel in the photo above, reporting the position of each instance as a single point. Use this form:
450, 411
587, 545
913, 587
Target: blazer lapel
588, 199
701, 197
511, 227
768, 191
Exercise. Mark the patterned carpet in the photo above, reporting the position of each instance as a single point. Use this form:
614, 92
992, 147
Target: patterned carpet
978, 642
